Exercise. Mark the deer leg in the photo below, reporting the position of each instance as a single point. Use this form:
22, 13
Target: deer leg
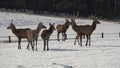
36, 44
28, 46
75, 40
87, 40
58, 36
81, 39
78, 40
32, 45
65, 36
83, 36
62, 36
47, 45
44, 44
19, 41
33, 42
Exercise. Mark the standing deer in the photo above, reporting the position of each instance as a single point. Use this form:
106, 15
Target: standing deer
46, 35
34, 34
62, 29
20, 33
84, 30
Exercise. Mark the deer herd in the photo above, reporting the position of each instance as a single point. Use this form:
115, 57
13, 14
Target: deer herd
32, 35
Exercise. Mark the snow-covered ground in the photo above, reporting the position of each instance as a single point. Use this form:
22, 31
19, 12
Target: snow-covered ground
103, 53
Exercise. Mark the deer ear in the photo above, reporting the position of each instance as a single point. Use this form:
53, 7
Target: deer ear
49, 23
53, 23
94, 17
67, 20
40, 23
11, 24
72, 19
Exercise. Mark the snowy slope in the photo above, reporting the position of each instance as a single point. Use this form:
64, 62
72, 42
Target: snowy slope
103, 53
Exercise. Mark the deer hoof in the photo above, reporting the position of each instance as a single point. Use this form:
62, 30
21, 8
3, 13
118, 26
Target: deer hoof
19, 48
47, 49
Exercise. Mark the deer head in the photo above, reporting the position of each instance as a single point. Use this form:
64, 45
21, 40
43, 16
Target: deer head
40, 25
73, 22
95, 21
11, 26
73, 18
52, 27
67, 22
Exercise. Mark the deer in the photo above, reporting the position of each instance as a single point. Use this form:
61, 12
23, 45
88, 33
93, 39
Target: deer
45, 35
84, 30
34, 34
62, 28
19, 33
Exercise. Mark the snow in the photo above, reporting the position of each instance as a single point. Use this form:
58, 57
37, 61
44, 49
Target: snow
103, 53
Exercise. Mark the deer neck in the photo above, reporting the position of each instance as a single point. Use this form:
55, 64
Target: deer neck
65, 26
37, 30
74, 27
93, 26
14, 30
50, 30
